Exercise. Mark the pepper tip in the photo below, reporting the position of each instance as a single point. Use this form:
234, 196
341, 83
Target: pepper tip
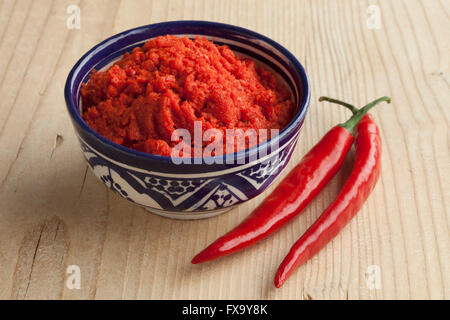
202, 256
196, 260
279, 280
278, 283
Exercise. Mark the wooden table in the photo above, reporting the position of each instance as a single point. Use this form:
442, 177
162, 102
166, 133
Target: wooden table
54, 213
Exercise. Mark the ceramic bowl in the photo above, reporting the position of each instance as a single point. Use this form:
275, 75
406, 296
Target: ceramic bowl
189, 191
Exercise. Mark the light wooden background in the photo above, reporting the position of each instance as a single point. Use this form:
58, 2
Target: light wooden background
55, 213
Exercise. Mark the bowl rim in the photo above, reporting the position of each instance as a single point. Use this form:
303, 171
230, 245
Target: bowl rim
302, 104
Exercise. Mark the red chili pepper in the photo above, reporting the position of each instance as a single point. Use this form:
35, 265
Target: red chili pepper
358, 186
290, 197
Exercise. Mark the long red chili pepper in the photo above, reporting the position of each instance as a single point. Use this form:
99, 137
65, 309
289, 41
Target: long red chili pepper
352, 196
290, 197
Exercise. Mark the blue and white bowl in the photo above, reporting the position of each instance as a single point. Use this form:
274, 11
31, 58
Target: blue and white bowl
189, 191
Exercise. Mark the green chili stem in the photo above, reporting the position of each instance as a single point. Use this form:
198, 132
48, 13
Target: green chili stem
358, 114
349, 106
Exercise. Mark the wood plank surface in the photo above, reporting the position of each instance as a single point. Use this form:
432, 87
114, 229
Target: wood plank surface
54, 213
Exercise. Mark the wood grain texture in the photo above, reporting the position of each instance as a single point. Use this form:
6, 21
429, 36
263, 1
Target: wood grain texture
41, 262
47, 193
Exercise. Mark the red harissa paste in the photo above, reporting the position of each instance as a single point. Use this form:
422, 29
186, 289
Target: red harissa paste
170, 82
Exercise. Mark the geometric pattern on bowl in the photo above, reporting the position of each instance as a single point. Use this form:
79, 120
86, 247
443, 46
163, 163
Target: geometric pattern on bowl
183, 195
